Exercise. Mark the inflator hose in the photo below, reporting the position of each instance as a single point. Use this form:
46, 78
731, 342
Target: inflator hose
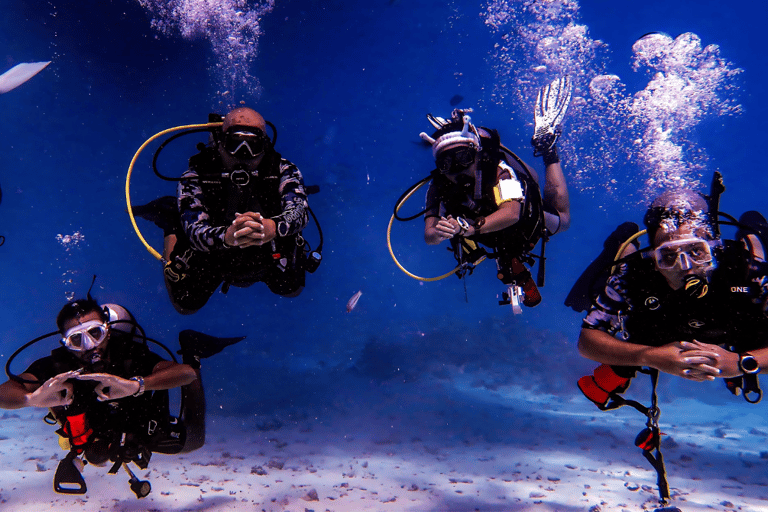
151, 250
399, 205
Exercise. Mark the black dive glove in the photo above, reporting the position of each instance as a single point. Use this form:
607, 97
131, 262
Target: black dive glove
545, 145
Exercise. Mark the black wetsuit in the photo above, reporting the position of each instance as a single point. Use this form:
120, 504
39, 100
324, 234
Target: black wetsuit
639, 306
207, 203
145, 419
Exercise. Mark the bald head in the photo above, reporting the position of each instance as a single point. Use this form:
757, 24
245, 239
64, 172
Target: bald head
244, 116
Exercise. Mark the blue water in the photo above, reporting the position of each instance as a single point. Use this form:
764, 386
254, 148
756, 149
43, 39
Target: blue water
347, 85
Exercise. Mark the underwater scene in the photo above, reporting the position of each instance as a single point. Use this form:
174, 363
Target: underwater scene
379, 387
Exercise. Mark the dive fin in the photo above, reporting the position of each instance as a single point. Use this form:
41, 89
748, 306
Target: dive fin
19, 74
198, 345
162, 212
755, 233
591, 281
68, 479
551, 105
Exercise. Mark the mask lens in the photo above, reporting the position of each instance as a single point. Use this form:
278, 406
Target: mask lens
85, 336
465, 156
244, 145
668, 254
75, 341
96, 333
455, 160
699, 253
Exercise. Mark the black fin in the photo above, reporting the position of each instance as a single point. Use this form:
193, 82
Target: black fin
198, 345
757, 224
68, 475
162, 212
592, 280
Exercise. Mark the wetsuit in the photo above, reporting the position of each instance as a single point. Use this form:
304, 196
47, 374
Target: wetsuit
145, 419
208, 200
639, 306
472, 198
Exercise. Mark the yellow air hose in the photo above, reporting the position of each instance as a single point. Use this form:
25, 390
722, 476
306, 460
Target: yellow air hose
623, 246
392, 253
151, 250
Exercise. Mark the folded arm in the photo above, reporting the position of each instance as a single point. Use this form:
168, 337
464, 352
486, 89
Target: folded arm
166, 375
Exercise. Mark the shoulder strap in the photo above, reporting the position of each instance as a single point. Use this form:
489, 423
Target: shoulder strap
491, 145
204, 161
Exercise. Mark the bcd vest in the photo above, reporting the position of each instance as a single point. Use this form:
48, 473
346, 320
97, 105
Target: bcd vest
458, 199
725, 314
238, 191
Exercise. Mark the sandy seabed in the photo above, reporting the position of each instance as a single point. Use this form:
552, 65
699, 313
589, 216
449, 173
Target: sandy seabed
559, 455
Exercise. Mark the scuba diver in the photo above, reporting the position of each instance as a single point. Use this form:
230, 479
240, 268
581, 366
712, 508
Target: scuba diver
482, 193
692, 305
237, 219
108, 392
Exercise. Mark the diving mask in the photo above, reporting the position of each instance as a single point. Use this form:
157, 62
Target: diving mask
86, 336
684, 253
456, 159
245, 143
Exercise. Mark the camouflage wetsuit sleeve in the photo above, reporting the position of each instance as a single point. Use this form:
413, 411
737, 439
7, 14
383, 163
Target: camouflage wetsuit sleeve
293, 200
604, 313
195, 218
204, 236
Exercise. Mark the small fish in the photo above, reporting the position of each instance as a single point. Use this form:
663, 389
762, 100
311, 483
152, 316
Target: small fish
352, 302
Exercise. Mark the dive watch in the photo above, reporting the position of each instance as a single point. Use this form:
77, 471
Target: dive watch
463, 226
140, 380
748, 364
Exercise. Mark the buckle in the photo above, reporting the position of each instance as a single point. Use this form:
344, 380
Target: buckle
240, 177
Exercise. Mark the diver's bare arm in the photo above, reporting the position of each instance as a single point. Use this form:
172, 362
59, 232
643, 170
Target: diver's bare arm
507, 215
556, 196
13, 395
671, 358
600, 346
54, 392
168, 375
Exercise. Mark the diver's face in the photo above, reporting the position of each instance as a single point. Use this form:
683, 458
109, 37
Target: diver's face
680, 253
92, 355
243, 149
456, 159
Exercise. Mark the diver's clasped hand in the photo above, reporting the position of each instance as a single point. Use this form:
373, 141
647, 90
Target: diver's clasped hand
55, 392
690, 361
110, 387
694, 360
250, 229
448, 227
721, 362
